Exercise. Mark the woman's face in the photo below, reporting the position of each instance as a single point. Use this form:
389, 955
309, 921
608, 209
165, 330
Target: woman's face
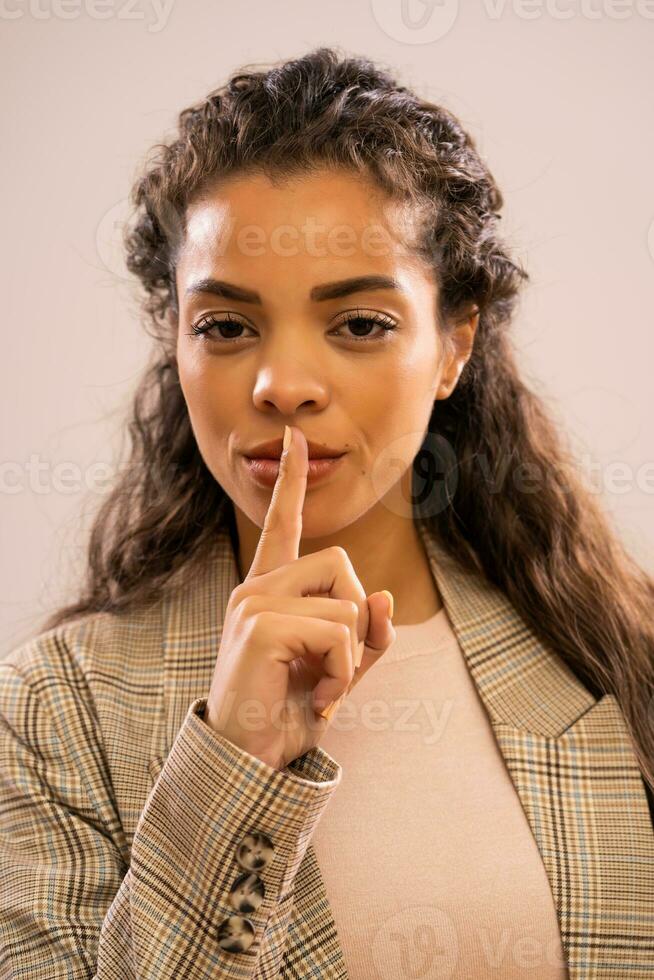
286, 349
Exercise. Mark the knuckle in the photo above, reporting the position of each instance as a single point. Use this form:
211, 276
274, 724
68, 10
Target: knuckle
250, 605
346, 640
263, 618
351, 610
238, 594
341, 558
262, 623
343, 633
240, 602
339, 552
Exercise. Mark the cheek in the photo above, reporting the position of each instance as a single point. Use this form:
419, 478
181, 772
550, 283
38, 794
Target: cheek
210, 393
209, 420
191, 374
396, 418
402, 395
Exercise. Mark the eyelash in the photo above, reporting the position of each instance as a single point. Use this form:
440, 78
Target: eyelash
211, 320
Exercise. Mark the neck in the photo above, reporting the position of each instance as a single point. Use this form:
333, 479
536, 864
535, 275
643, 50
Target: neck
386, 551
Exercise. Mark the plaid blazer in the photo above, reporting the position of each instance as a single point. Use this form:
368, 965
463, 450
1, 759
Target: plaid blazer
121, 811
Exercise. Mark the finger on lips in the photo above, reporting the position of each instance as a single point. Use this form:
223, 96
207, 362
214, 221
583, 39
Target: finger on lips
279, 545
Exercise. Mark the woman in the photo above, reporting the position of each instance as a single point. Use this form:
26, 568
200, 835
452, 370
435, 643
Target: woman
320, 254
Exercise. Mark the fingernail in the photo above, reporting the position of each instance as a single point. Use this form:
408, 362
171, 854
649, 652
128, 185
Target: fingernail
360, 649
329, 709
390, 602
287, 437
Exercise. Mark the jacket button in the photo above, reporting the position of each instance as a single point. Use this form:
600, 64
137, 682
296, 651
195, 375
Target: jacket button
255, 851
247, 892
235, 934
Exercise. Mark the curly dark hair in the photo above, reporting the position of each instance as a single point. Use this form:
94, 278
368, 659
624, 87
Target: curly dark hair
553, 552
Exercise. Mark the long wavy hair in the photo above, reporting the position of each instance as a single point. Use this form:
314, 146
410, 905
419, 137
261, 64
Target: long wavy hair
552, 551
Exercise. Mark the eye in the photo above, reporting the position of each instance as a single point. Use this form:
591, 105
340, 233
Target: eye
354, 320
359, 319
208, 322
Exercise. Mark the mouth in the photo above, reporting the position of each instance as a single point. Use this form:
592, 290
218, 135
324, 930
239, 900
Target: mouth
273, 450
264, 470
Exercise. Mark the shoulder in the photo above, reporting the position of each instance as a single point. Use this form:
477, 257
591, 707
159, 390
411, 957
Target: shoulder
81, 655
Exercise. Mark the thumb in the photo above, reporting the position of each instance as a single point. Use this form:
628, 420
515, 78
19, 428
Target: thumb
380, 636
380, 627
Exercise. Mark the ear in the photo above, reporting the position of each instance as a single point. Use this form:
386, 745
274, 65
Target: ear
458, 348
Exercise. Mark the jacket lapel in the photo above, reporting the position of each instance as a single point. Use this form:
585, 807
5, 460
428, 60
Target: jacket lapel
575, 772
520, 681
568, 755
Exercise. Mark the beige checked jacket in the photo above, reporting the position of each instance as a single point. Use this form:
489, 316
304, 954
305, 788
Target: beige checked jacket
121, 811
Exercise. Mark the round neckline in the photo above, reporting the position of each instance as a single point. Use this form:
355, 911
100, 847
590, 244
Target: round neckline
425, 622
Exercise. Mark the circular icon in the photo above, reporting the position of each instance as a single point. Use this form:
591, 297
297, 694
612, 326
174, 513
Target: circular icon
415, 21
434, 474
417, 942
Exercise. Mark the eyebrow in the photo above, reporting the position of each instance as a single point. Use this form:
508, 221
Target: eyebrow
327, 291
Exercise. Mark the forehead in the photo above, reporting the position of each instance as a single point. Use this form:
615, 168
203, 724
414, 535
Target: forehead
327, 218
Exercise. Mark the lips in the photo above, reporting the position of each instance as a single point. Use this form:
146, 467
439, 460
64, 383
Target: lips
264, 471
273, 450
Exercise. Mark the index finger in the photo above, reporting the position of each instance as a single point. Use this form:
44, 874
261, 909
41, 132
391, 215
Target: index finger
282, 529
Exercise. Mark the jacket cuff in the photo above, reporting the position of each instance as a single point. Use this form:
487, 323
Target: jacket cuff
314, 766
221, 793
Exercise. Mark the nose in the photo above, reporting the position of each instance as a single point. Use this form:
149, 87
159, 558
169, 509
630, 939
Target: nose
288, 381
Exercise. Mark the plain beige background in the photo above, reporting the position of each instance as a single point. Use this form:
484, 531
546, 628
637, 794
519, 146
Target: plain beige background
559, 96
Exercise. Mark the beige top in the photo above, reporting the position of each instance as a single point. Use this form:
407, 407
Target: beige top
430, 867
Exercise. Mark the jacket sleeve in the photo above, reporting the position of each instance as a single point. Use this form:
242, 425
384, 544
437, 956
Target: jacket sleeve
77, 902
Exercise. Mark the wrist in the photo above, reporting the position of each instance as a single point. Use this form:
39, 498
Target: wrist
205, 716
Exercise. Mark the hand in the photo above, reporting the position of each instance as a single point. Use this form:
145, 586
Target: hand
298, 632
